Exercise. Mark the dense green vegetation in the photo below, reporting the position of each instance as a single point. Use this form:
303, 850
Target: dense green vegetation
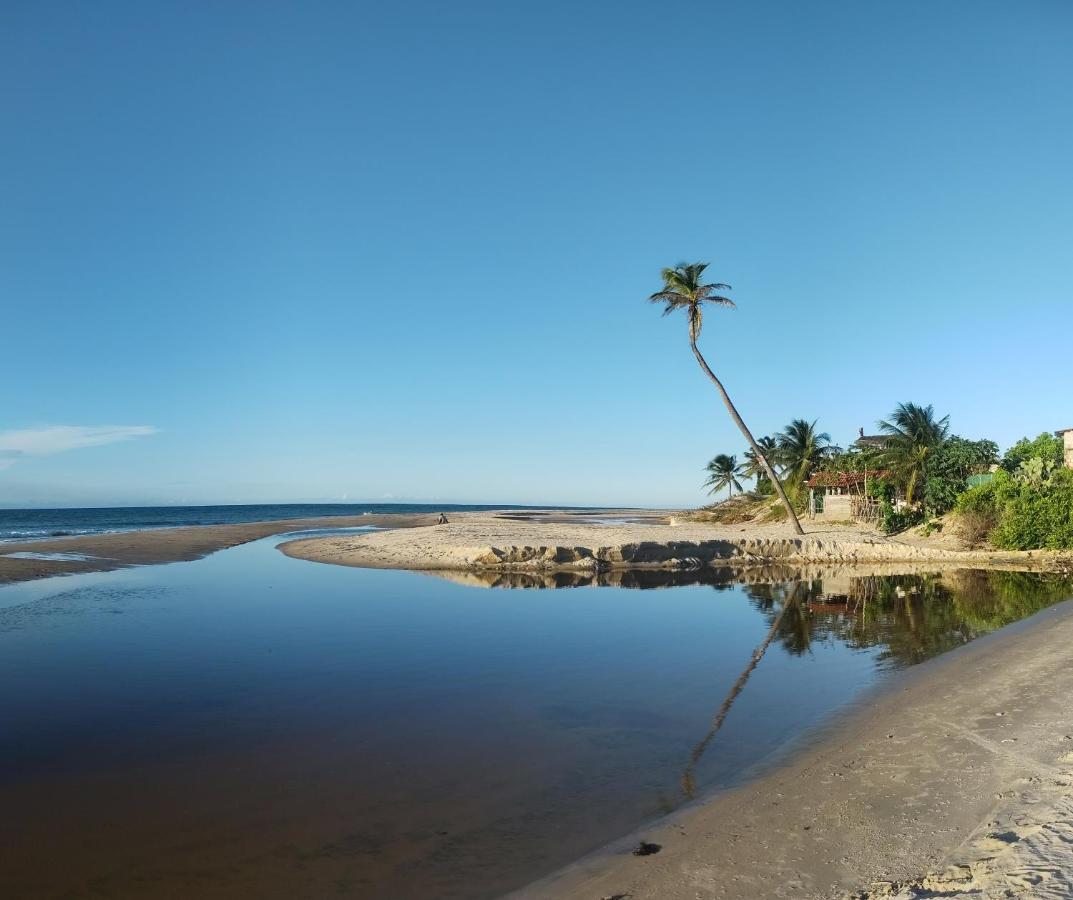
1029, 509
948, 468
919, 471
1046, 447
913, 435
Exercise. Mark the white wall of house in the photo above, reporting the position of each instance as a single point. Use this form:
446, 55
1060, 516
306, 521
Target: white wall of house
836, 507
1067, 438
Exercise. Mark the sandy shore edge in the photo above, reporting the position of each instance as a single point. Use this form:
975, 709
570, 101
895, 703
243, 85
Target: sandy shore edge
480, 542
116, 550
953, 780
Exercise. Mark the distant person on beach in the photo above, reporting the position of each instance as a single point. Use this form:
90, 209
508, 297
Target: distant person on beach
442, 520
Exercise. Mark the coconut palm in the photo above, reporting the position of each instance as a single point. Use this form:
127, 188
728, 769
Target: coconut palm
800, 448
754, 468
910, 436
683, 289
723, 472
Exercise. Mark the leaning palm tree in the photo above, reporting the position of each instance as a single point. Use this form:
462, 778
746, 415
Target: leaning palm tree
800, 448
723, 472
910, 436
683, 289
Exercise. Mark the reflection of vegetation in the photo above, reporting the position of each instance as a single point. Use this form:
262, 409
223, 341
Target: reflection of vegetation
910, 617
643, 579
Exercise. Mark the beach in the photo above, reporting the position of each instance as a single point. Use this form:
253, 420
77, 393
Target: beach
954, 781
522, 542
571, 542
106, 552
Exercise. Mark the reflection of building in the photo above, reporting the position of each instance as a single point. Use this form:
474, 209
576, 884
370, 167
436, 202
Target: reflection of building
1066, 434
837, 586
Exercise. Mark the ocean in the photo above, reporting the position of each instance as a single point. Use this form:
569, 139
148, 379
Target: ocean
30, 524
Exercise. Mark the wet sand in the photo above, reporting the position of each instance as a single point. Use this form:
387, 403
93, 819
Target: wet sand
165, 545
955, 781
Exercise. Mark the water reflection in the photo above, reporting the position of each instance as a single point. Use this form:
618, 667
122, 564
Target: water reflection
259, 726
909, 615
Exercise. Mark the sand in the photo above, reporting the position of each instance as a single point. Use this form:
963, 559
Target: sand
164, 545
483, 542
955, 781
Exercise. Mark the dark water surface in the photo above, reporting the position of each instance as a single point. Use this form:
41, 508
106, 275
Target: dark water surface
250, 725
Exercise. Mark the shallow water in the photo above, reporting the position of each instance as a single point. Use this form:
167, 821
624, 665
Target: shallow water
251, 725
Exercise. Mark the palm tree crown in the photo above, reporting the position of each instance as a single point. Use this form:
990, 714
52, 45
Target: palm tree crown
800, 448
910, 435
723, 472
753, 467
682, 289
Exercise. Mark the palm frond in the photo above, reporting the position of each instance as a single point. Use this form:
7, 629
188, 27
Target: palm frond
682, 289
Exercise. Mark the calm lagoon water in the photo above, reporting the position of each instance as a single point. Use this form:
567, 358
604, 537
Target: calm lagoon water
250, 725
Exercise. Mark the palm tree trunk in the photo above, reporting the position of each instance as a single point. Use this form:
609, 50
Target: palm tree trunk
748, 434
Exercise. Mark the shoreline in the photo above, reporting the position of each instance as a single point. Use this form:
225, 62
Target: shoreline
112, 550
483, 543
954, 778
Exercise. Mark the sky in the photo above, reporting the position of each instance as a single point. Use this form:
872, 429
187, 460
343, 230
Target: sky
316, 251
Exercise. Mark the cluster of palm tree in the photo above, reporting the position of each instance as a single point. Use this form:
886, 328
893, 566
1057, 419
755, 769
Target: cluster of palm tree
795, 453
910, 435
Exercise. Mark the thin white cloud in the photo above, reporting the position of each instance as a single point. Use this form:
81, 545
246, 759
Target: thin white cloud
49, 439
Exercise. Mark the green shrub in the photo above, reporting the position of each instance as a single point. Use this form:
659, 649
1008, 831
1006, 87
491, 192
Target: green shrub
1032, 510
776, 513
977, 511
893, 521
880, 489
1046, 447
1035, 515
948, 468
930, 527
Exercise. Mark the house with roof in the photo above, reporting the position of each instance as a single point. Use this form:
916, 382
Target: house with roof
1066, 434
869, 441
842, 496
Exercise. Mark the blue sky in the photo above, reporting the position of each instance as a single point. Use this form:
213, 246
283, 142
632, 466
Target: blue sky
316, 251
